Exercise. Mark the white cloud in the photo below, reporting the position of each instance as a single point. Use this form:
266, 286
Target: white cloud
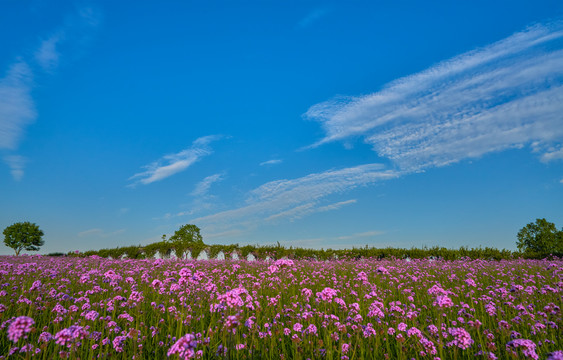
172, 164
297, 197
202, 188
506, 95
72, 37
552, 154
96, 232
301, 211
224, 234
47, 55
17, 109
360, 235
336, 242
337, 205
312, 17
294, 213
271, 162
16, 164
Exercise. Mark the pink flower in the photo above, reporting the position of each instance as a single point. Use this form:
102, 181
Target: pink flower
528, 347
556, 355
63, 337
184, 347
362, 276
327, 294
118, 343
345, 348
91, 315
312, 329
470, 282
19, 327
437, 290
462, 339
297, 327
45, 337
443, 301
36, 285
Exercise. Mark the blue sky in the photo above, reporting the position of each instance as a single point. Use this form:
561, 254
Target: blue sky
315, 124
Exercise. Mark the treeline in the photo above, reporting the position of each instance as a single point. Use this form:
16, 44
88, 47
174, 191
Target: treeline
165, 249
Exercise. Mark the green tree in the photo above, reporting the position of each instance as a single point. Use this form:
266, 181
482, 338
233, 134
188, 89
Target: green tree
187, 234
540, 238
23, 236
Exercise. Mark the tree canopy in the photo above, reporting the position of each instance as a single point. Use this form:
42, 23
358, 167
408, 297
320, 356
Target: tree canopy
187, 234
23, 236
540, 238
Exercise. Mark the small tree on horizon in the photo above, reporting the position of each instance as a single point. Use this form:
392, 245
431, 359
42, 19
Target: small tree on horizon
540, 238
187, 234
23, 236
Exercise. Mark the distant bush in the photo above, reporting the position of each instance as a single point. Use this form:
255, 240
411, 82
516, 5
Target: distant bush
166, 249
56, 254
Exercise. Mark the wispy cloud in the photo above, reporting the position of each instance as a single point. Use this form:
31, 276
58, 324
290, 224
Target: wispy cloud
552, 154
17, 108
338, 242
47, 56
16, 164
202, 188
72, 37
301, 211
224, 234
96, 232
506, 95
312, 17
172, 164
297, 197
360, 235
271, 162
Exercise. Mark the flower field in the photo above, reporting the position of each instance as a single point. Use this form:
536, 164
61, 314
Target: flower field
90, 308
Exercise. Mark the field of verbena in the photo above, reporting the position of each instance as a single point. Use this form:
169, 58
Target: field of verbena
368, 309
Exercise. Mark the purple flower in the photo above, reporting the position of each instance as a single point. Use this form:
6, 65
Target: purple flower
443, 301
312, 329
556, 355
63, 337
118, 343
184, 347
19, 327
462, 339
45, 337
528, 347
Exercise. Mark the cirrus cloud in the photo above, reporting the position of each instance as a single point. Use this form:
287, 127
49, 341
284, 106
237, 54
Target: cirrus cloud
506, 95
172, 164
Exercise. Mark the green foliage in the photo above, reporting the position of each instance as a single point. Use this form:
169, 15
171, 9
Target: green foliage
213, 251
187, 234
166, 249
540, 239
23, 236
535, 241
196, 249
56, 254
